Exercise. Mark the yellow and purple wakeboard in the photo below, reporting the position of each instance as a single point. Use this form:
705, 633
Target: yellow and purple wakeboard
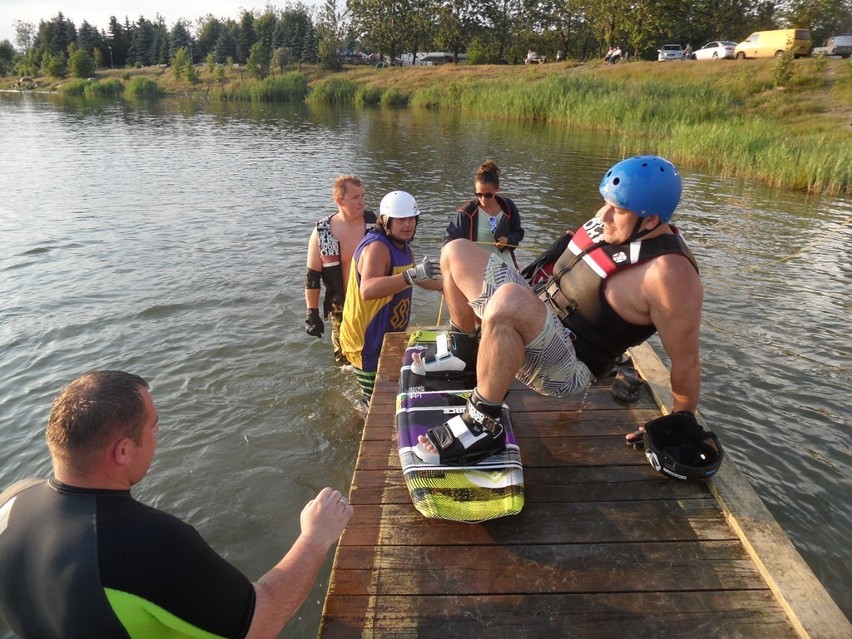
490, 488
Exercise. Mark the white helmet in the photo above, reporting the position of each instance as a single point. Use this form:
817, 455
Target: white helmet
398, 204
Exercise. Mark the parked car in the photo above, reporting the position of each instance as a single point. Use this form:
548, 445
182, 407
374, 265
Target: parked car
839, 45
766, 44
718, 49
670, 52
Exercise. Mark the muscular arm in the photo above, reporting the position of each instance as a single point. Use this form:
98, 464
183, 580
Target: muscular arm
282, 590
675, 296
312, 295
373, 266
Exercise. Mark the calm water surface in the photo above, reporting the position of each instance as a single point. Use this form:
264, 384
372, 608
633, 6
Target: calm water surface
169, 240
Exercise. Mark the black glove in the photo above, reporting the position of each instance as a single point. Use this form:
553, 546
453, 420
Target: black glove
426, 270
314, 324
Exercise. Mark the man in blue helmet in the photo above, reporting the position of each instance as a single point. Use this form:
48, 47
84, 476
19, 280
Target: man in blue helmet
625, 274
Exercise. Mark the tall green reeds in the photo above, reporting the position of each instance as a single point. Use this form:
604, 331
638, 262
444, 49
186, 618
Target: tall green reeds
290, 87
142, 88
696, 122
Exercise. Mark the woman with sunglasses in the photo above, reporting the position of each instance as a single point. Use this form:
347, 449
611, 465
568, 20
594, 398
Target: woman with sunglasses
489, 219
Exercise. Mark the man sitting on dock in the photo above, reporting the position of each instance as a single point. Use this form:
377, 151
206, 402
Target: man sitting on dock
626, 274
80, 557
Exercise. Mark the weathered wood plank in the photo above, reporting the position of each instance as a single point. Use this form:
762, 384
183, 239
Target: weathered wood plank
730, 614
548, 484
545, 523
572, 568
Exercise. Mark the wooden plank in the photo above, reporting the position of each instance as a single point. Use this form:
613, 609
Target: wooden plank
804, 599
743, 614
544, 523
571, 568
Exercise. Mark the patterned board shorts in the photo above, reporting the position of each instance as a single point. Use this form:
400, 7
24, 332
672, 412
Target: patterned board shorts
550, 363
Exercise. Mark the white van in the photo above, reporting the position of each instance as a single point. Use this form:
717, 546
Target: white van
766, 44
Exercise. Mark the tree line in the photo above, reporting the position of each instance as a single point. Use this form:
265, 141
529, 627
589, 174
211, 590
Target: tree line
487, 31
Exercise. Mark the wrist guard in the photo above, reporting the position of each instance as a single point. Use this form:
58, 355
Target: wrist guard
313, 279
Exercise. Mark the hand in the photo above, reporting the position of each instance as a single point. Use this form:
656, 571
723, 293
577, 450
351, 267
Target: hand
426, 270
314, 324
325, 516
502, 241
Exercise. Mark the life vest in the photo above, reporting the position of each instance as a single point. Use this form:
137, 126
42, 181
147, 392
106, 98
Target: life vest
332, 269
576, 291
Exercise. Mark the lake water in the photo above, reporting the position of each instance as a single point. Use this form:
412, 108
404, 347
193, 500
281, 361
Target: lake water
169, 240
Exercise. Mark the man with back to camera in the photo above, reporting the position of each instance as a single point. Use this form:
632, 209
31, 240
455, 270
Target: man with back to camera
81, 558
330, 251
626, 274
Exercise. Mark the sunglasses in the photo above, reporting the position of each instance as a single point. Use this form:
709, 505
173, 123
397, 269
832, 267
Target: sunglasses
487, 196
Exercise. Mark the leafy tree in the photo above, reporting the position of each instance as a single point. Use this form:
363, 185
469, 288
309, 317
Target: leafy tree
179, 63
207, 35
329, 36
141, 43
258, 61
80, 63
24, 35
55, 65
246, 37
88, 38
7, 55
117, 43
179, 38
226, 44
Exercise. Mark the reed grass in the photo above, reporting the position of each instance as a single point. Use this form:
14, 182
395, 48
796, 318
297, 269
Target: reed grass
333, 90
111, 87
142, 88
75, 88
290, 87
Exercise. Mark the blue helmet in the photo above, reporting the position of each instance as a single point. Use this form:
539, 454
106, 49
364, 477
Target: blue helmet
645, 184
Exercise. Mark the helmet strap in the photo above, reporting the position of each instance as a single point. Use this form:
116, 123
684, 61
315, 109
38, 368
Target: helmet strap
637, 234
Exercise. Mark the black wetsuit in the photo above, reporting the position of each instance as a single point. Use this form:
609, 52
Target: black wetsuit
81, 563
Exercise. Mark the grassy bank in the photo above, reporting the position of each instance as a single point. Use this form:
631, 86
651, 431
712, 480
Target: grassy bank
787, 123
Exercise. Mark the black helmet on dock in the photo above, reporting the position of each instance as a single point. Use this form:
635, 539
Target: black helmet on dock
677, 446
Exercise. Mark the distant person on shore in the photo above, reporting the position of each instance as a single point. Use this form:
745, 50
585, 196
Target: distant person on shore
687, 53
378, 298
81, 558
615, 56
489, 219
330, 251
624, 275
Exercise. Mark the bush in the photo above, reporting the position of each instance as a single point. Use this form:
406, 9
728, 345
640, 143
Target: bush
333, 91
74, 87
142, 88
111, 87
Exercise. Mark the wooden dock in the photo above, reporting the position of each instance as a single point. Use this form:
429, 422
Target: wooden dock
604, 547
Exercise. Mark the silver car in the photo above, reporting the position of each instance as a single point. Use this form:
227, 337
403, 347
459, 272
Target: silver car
718, 49
670, 52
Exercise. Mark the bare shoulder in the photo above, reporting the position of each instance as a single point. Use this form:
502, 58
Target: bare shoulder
673, 275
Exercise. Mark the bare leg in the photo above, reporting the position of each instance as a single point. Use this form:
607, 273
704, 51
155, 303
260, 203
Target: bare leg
513, 317
462, 270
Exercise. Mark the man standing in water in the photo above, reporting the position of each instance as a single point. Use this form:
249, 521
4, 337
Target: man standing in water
80, 557
330, 251
626, 274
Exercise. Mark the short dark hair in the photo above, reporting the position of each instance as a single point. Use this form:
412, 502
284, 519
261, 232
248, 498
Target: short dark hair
93, 410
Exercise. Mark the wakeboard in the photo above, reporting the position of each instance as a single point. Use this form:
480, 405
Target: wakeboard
490, 488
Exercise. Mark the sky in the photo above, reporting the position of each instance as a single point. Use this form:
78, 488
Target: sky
98, 12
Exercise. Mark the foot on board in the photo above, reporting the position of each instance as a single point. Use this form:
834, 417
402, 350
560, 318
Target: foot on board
467, 438
455, 353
